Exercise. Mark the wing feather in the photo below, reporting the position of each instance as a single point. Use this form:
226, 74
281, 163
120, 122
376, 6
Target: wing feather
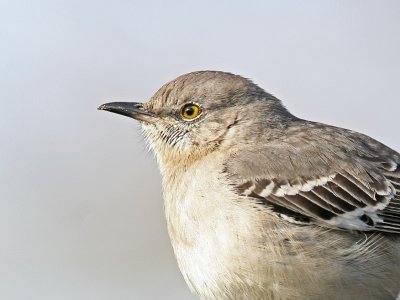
360, 191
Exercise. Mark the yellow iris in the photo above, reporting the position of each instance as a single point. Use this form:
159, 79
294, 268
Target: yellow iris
190, 111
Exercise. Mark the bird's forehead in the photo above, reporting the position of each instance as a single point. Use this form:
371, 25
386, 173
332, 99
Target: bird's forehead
206, 88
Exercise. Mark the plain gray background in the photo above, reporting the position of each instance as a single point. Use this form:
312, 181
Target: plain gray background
81, 207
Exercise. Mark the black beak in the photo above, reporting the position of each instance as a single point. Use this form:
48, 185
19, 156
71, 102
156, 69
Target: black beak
130, 109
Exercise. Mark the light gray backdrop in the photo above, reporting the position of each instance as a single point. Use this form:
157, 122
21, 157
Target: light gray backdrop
80, 202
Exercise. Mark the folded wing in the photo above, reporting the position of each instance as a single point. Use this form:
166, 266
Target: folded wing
335, 186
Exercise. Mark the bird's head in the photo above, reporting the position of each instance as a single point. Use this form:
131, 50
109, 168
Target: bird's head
203, 111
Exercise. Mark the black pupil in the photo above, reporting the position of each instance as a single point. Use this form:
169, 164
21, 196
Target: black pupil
189, 111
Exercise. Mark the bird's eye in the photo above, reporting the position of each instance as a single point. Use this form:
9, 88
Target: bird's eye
190, 111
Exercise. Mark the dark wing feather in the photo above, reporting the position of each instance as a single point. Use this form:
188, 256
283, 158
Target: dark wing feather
348, 185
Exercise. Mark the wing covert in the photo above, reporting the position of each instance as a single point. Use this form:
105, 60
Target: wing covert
340, 187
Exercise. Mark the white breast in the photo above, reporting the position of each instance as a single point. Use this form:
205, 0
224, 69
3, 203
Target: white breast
198, 210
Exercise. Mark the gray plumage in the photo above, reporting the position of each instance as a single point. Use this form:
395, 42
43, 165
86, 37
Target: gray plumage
261, 204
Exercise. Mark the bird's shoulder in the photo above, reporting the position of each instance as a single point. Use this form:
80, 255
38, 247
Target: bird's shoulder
321, 174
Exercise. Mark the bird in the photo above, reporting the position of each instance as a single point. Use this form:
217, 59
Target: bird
261, 204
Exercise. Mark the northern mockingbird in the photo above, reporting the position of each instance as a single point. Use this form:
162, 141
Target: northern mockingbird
261, 204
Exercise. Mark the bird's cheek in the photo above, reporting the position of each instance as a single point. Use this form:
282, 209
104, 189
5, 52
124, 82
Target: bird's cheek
212, 132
